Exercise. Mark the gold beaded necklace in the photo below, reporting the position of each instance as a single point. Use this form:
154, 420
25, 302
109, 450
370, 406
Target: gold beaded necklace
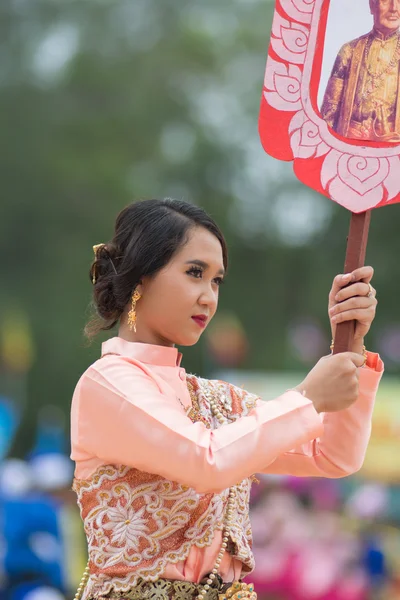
377, 78
238, 590
229, 508
385, 70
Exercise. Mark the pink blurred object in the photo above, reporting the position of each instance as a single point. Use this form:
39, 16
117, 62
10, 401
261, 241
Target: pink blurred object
314, 570
273, 572
369, 501
326, 494
354, 586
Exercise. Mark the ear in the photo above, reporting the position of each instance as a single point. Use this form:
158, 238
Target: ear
140, 287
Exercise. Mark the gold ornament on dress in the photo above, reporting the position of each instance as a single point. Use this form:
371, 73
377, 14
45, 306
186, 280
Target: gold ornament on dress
239, 591
132, 317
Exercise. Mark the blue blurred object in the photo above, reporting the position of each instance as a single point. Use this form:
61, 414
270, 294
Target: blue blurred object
34, 591
33, 540
50, 433
375, 562
10, 416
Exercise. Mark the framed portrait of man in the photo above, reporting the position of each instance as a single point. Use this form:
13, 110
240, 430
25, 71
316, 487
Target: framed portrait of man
361, 99
331, 98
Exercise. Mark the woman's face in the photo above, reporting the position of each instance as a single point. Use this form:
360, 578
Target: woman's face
179, 302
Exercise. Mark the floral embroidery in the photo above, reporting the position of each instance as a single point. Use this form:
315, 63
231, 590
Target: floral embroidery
233, 402
137, 523
127, 525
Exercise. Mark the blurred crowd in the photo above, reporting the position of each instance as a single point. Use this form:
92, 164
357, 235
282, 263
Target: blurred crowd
42, 544
314, 539
318, 539
40, 533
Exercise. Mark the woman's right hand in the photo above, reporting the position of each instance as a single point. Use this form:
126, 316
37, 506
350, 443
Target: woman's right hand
332, 385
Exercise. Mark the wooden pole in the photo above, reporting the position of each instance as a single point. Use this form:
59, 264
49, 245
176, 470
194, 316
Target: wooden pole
355, 258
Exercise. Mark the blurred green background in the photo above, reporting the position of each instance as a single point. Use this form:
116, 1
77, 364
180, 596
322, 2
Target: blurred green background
103, 102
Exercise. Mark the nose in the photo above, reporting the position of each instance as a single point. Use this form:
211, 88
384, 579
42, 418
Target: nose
209, 298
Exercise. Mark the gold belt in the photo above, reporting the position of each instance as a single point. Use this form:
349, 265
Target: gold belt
166, 589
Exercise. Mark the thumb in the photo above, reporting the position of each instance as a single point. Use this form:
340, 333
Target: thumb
358, 360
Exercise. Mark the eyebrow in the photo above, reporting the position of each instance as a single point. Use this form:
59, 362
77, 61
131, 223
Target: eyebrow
203, 264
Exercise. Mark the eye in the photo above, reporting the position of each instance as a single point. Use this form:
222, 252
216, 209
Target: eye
219, 281
195, 272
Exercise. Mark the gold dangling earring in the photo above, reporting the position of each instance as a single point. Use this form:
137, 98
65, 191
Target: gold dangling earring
132, 318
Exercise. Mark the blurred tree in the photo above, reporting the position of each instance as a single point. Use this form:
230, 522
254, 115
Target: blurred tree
107, 101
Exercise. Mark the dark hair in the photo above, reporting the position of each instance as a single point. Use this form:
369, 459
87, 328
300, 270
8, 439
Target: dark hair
147, 235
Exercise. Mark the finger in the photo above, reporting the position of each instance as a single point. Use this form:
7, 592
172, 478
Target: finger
356, 289
363, 274
363, 315
358, 360
357, 302
339, 282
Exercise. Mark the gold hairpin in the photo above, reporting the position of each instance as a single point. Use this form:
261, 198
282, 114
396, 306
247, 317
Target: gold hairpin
97, 247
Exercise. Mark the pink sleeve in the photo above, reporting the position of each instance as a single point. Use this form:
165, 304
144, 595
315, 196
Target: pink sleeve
120, 416
342, 448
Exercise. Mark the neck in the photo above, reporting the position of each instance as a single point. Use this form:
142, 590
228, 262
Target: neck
142, 337
383, 32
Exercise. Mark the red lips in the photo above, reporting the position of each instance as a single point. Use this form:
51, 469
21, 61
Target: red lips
201, 320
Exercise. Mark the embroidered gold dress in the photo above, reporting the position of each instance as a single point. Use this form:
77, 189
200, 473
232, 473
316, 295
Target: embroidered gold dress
153, 486
362, 99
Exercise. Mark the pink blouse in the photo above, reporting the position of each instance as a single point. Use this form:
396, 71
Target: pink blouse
127, 410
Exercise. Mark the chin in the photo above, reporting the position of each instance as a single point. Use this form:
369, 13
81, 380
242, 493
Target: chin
187, 341
392, 25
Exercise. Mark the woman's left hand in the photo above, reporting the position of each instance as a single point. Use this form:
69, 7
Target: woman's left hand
352, 298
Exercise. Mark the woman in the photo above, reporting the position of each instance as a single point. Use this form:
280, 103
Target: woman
165, 460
